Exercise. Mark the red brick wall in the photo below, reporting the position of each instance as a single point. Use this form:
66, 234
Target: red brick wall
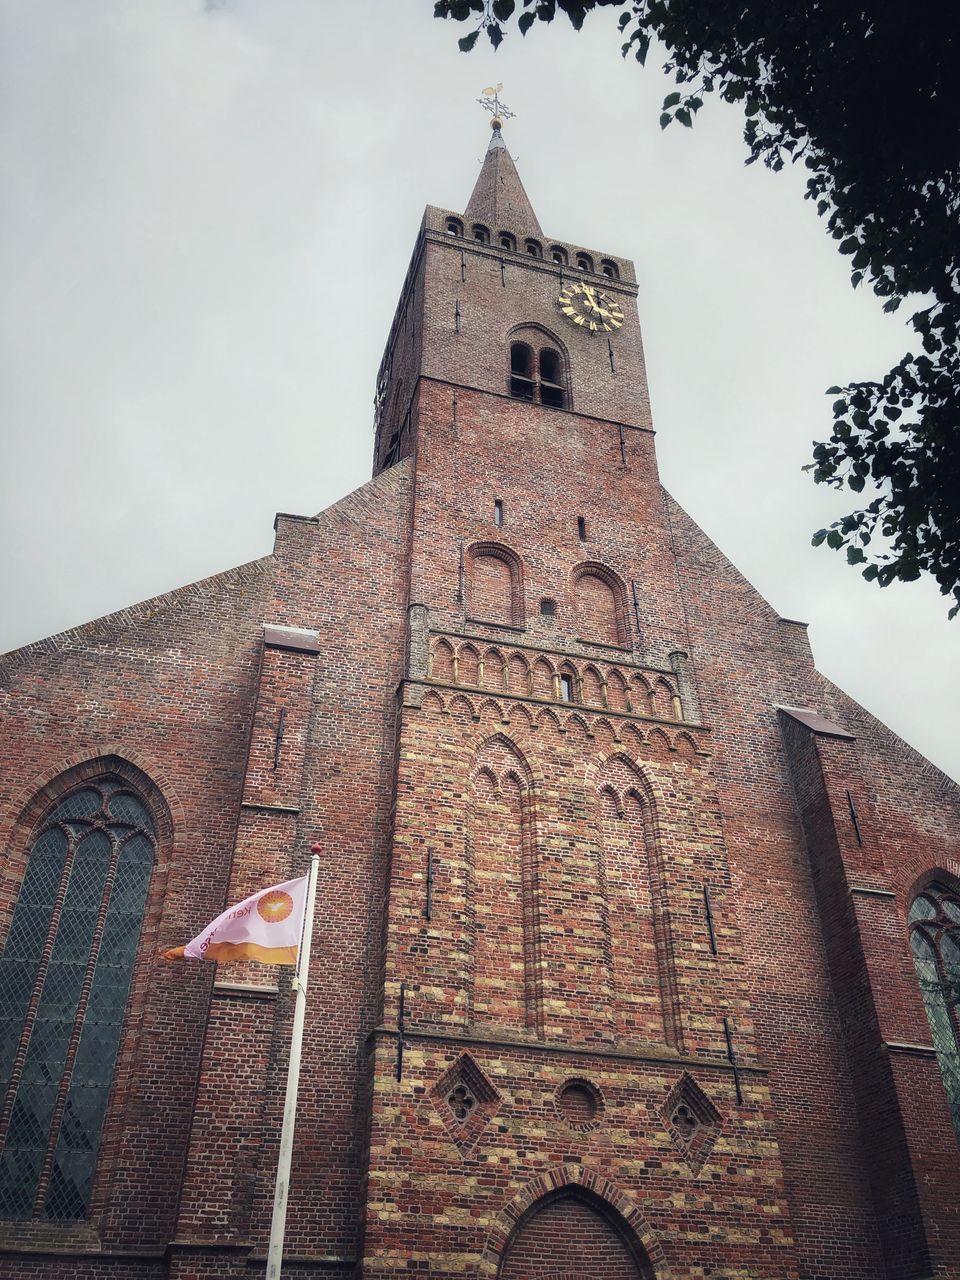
566, 1239
162, 693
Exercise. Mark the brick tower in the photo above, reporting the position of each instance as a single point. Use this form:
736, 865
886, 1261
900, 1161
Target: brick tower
622, 907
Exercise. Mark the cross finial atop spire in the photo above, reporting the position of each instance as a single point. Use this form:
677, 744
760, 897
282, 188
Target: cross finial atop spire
491, 102
499, 198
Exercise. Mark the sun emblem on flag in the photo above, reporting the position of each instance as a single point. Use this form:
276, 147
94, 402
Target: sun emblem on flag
275, 906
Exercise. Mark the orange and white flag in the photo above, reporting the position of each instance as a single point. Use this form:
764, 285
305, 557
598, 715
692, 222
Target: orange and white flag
265, 927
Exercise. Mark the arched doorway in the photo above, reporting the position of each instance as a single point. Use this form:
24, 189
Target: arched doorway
572, 1234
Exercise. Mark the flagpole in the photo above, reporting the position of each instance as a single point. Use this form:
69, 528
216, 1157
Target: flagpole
278, 1221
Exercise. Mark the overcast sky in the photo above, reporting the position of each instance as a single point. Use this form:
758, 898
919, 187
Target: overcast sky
188, 186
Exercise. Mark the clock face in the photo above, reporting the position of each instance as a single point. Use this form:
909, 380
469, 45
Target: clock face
590, 308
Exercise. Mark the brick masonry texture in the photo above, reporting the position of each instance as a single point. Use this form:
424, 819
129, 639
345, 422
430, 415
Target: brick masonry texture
661, 1018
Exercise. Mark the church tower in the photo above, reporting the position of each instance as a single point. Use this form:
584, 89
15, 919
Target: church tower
637, 941
587, 982
563, 973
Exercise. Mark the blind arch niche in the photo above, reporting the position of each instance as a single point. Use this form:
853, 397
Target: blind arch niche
601, 605
65, 973
495, 585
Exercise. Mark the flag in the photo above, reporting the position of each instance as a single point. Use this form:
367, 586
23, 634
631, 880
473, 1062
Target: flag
265, 927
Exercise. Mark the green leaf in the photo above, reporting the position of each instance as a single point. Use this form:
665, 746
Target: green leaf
466, 43
819, 536
526, 22
665, 119
503, 9
671, 100
835, 539
495, 35
855, 555
683, 115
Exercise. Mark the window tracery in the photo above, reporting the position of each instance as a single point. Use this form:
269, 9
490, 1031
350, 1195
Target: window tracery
65, 975
934, 923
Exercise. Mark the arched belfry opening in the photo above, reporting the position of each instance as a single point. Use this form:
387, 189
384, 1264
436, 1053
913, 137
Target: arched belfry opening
574, 1234
538, 367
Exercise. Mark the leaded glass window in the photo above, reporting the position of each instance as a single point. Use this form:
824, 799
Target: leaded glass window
935, 941
64, 979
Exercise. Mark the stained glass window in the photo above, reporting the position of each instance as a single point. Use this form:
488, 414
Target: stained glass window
935, 941
64, 979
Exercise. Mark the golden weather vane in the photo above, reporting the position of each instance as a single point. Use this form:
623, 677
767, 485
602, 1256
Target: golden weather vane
491, 102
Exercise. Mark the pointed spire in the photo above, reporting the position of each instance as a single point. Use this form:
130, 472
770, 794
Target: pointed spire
499, 199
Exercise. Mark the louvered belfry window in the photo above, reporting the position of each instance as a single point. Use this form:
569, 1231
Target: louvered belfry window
935, 942
64, 980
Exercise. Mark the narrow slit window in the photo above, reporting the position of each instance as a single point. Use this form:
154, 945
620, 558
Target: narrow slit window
581, 528
566, 687
498, 512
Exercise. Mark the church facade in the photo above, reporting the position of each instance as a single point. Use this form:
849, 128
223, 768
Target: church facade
637, 942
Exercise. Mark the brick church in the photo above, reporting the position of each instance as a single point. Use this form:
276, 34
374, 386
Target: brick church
637, 944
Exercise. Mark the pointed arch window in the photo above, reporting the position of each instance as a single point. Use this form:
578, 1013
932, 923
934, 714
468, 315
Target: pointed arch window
934, 922
65, 975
